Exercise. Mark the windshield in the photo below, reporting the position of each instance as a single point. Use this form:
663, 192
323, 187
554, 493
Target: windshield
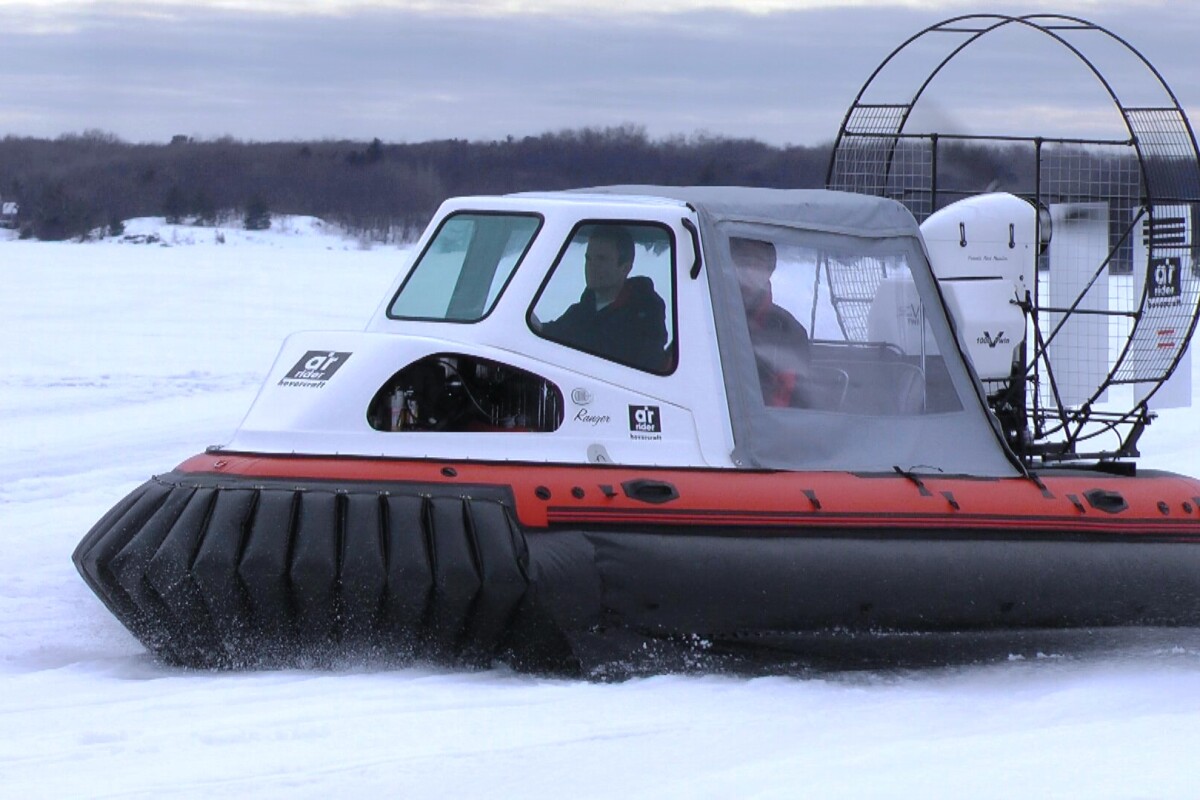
465, 267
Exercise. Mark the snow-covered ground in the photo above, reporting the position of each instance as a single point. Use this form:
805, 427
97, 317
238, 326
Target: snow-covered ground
126, 358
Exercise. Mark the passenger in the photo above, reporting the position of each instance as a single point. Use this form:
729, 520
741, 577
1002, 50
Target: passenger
781, 346
617, 317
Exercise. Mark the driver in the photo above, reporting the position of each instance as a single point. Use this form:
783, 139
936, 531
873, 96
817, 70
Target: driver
616, 317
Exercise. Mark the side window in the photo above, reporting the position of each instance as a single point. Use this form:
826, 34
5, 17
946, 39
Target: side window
836, 328
612, 294
464, 268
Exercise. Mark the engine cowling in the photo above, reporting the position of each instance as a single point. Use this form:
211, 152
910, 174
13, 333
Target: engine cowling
983, 251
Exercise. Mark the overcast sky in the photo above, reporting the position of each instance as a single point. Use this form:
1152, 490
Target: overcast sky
782, 71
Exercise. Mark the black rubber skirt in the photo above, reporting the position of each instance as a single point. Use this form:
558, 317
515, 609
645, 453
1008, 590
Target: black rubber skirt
226, 571
236, 573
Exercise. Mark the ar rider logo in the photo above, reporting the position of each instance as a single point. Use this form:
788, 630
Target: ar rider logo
1163, 281
645, 422
314, 368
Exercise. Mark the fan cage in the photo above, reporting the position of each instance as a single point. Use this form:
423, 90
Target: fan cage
1131, 306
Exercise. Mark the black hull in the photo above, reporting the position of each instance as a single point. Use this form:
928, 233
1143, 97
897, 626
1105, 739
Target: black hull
225, 571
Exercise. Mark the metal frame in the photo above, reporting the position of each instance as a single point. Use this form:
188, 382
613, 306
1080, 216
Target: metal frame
874, 154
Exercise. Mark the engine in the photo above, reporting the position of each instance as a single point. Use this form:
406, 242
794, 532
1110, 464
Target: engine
453, 392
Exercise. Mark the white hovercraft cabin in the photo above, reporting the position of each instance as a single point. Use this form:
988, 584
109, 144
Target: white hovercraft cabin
881, 382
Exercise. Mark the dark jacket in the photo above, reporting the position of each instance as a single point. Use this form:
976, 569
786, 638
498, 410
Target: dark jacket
631, 329
781, 350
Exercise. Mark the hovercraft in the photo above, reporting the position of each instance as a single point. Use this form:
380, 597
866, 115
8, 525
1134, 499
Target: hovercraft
658, 414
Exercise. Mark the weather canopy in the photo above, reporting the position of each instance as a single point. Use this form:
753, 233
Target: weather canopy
836, 349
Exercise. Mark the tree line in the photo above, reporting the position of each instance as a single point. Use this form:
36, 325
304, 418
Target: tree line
81, 185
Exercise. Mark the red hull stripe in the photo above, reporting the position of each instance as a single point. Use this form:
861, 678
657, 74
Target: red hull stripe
559, 495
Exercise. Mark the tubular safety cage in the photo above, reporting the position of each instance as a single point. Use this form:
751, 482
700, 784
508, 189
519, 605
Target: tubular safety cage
1118, 284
